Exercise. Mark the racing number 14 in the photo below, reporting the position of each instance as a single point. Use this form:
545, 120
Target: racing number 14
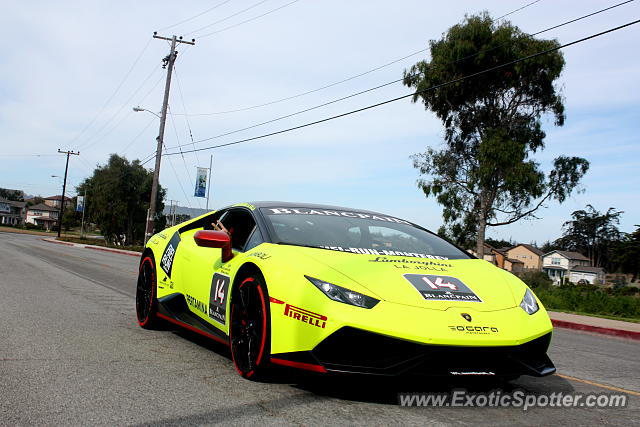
439, 284
219, 292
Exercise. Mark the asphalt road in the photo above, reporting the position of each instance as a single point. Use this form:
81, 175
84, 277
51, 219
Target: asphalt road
71, 353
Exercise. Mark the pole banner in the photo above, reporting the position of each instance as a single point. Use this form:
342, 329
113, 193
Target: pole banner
80, 204
201, 183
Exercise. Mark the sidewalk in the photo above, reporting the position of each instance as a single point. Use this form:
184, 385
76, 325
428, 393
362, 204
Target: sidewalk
595, 324
94, 247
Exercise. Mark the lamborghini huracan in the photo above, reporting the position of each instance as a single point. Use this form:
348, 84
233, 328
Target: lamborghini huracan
337, 290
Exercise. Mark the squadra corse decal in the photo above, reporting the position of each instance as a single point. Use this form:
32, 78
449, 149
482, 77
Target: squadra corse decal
302, 315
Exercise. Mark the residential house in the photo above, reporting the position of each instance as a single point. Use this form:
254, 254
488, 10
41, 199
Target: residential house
11, 212
54, 201
559, 264
513, 265
587, 273
499, 258
529, 255
43, 215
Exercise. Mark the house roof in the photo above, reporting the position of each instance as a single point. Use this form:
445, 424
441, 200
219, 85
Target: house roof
42, 207
513, 261
529, 247
58, 197
586, 269
569, 255
573, 255
492, 249
12, 202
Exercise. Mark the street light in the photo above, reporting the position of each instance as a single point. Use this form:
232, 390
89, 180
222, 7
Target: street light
148, 230
138, 109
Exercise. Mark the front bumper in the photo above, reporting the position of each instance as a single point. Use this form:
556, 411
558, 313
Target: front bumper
351, 350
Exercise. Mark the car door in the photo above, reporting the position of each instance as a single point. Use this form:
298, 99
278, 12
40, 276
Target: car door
206, 280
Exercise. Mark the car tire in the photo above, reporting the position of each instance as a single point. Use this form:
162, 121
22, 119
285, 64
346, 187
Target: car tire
146, 300
250, 328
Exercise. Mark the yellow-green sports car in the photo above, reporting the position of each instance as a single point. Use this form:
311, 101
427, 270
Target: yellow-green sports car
338, 290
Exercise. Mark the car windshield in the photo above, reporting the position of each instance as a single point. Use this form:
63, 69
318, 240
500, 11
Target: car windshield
356, 232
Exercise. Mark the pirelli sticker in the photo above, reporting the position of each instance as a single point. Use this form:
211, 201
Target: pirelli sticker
166, 263
441, 288
305, 316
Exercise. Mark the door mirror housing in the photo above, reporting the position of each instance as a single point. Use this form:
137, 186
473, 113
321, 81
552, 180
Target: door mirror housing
215, 239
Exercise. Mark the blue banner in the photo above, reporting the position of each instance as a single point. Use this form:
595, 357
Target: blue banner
80, 204
201, 183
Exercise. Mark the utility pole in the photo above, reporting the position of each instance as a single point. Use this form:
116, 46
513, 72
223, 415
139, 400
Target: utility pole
168, 62
64, 187
172, 212
84, 208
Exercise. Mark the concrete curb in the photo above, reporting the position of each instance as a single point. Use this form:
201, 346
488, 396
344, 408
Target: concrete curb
95, 248
596, 329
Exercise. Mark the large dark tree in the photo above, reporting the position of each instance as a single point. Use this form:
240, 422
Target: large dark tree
14, 195
593, 234
626, 254
483, 175
117, 200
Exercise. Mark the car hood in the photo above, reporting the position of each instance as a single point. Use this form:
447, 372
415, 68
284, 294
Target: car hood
422, 282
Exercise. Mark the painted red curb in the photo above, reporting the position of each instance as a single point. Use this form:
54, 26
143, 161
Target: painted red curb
95, 248
115, 251
597, 329
56, 241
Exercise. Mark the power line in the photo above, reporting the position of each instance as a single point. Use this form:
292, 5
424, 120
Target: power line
184, 161
517, 10
88, 143
195, 16
179, 182
126, 76
248, 20
126, 104
186, 116
124, 150
398, 80
28, 155
292, 114
226, 18
395, 61
544, 52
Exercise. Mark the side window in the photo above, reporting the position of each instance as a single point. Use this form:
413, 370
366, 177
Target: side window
240, 224
254, 240
212, 219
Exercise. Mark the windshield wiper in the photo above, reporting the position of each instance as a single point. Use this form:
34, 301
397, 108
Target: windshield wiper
301, 245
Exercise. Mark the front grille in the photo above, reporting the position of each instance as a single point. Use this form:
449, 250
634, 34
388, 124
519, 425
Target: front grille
355, 350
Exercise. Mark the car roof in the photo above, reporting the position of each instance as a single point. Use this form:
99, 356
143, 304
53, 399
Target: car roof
276, 204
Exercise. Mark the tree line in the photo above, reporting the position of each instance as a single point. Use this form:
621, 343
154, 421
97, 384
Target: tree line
117, 201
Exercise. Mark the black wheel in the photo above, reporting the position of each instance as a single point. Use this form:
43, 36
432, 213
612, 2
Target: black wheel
249, 333
146, 302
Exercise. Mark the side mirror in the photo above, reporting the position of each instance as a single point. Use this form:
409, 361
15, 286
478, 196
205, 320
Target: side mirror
215, 239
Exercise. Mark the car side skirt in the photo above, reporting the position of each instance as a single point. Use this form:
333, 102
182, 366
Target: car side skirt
173, 308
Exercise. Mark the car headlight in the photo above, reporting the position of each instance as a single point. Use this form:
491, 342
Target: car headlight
529, 303
346, 296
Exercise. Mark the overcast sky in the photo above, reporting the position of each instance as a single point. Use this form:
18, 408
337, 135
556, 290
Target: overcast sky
62, 62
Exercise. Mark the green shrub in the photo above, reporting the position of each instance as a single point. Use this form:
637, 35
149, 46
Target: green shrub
536, 279
30, 226
590, 299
